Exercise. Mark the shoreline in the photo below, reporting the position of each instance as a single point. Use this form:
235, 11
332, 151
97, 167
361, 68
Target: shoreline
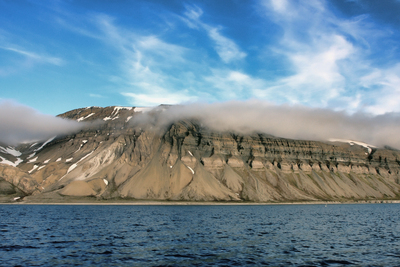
206, 203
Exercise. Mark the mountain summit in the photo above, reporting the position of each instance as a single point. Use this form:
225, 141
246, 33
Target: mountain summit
127, 153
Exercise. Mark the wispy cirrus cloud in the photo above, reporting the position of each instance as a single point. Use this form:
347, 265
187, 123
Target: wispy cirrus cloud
19, 52
148, 66
96, 95
22, 58
384, 87
330, 59
226, 48
153, 71
145, 63
326, 60
233, 84
35, 56
317, 72
317, 49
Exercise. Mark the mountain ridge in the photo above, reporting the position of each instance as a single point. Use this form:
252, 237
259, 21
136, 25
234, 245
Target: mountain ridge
120, 155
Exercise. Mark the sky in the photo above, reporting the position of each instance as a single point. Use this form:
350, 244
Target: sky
341, 55
314, 69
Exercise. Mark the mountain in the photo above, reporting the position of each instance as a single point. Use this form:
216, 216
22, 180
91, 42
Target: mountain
119, 156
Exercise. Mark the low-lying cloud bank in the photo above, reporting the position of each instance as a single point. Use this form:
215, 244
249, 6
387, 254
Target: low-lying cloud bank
288, 121
19, 123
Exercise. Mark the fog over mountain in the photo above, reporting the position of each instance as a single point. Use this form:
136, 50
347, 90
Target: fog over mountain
19, 123
287, 121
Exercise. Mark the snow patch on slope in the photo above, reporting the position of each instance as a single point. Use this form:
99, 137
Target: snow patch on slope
79, 148
11, 151
34, 168
190, 169
7, 162
352, 142
33, 160
73, 166
99, 161
114, 114
45, 143
84, 118
85, 156
34, 144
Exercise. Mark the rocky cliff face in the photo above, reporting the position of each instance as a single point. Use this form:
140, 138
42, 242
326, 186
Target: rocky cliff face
113, 159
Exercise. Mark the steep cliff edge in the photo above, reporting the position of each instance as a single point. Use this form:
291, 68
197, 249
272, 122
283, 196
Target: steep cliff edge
118, 157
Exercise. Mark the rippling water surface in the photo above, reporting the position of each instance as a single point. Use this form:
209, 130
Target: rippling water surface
281, 235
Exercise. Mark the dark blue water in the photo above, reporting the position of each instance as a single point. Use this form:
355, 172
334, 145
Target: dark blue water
284, 235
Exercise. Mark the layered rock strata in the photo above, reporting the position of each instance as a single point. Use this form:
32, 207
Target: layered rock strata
115, 158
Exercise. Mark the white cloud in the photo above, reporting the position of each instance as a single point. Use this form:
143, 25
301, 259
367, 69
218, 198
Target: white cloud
383, 89
279, 5
322, 56
96, 95
318, 73
235, 84
35, 56
150, 69
327, 56
67, 24
24, 59
20, 123
226, 48
288, 121
158, 52
192, 14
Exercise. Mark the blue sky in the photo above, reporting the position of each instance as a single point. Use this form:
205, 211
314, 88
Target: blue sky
339, 54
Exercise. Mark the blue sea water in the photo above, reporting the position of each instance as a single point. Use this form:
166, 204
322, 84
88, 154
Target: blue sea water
270, 235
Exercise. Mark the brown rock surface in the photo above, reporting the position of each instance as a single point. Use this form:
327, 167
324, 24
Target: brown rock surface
23, 181
186, 161
78, 189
